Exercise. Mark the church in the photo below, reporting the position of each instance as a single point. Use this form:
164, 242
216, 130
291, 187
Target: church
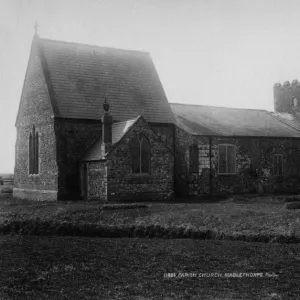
94, 123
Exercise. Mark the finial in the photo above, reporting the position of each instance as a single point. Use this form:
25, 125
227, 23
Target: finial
36, 25
105, 106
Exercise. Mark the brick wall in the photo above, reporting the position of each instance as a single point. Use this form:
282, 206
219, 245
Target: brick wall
35, 109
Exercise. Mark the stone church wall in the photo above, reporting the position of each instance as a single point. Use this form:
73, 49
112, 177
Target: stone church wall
73, 139
254, 166
123, 185
188, 183
97, 181
35, 109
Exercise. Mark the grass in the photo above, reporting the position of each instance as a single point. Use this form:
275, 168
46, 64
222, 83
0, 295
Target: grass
89, 268
65, 267
251, 220
264, 220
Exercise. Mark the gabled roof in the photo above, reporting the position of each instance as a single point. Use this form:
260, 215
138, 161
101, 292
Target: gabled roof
81, 76
223, 121
119, 129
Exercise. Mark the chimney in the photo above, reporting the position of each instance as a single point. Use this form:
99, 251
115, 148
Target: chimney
107, 121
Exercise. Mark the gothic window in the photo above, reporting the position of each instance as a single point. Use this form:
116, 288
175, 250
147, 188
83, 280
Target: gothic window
278, 164
193, 158
145, 155
33, 152
135, 155
227, 159
30, 153
140, 154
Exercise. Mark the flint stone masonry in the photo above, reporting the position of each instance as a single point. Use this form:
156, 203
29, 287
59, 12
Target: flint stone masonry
188, 183
254, 165
67, 116
115, 179
97, 179
35, 109
73, 139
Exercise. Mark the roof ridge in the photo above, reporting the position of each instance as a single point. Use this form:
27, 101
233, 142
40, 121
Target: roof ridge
187, 104
146, 53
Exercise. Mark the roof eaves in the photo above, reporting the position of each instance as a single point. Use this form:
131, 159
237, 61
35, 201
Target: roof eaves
212, 106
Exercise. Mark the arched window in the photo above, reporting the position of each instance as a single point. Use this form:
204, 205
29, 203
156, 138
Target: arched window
145, 155
30, 153
33, 152
135, 155
36, 159
140, 154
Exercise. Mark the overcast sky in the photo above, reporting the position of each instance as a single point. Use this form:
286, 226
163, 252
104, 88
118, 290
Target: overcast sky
223, 53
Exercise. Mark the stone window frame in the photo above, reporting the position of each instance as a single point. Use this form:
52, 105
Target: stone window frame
140, 140
234, 149
276, 157
36, 159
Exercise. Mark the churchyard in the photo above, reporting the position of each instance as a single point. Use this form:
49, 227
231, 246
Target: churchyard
264, 219
239, 248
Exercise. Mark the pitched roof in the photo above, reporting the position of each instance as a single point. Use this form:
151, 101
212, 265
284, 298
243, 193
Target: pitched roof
81, 76
119, 129
223, 121
290, 119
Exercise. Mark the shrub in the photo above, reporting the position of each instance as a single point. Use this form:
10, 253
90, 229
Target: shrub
292, 205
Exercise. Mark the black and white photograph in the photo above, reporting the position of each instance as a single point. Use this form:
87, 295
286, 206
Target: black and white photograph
150, 149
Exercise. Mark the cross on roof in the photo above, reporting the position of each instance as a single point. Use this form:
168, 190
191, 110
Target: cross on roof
36, 25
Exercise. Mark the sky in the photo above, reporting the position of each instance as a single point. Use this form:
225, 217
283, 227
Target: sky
222, 53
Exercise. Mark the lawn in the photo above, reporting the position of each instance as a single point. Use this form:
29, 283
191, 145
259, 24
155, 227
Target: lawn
251, 219
93, 268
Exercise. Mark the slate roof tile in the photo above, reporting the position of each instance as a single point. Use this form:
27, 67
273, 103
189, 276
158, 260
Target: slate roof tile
223, 121
83, 75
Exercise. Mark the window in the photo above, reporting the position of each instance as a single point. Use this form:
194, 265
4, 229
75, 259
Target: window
33, 152
278, 164
295, 102
140, 153
193, 158
227, 159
